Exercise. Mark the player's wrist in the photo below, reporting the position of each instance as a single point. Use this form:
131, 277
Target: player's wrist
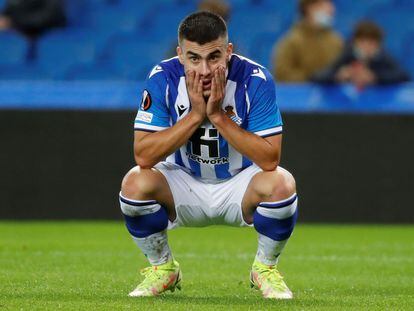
197, 117
216, 117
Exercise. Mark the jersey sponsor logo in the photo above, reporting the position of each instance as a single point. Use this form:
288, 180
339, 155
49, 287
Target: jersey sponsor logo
181, 109
209, 139
232, 115
146, 100
144, 116
201, 160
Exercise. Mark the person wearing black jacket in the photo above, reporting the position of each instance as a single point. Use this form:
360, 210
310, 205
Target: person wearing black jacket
32, 17
364, 61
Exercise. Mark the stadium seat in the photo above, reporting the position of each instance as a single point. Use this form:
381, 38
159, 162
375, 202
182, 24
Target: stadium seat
407, 56
163, 24
345, 23
132, 57
261, 47
22, 72
92, 72
78, 13
397, 22
112, 20
14, 48
251, 22
58, 51
244, 28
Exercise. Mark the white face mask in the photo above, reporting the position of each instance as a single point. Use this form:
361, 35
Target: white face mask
323, 19
362, 55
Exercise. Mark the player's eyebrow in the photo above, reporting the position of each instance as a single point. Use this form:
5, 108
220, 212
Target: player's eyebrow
214, 53
189, 53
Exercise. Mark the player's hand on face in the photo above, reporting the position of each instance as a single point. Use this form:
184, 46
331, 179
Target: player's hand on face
195, 93
218, 91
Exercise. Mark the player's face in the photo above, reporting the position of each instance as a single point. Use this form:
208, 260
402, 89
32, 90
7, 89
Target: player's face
205, 58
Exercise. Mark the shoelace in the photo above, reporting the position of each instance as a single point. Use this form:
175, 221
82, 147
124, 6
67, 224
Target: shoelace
152, 274
273, 275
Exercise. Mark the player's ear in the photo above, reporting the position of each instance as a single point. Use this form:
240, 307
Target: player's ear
180, 55
229, 50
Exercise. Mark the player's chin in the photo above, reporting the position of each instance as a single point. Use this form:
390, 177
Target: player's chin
206, 93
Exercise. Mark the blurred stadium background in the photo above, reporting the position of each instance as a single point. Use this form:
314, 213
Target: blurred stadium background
122, 39
67, 102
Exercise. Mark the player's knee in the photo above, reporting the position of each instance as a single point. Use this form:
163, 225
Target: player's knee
286, 185
139, 184
277, 185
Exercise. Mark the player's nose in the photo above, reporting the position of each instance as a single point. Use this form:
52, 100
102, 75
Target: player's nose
205, 69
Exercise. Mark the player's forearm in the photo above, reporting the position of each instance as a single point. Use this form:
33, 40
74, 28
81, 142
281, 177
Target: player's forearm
256, 148
155, 147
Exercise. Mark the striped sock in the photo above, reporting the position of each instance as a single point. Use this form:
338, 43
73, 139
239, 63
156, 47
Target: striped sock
274, 221
147, 222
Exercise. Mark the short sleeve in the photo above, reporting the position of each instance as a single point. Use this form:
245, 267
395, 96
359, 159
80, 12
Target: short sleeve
153, 114
264, 117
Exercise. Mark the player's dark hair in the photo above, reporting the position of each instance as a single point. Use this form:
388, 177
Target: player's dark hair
368, 30
202, 27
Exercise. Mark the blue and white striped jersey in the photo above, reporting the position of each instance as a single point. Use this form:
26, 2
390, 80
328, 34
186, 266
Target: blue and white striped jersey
250, 101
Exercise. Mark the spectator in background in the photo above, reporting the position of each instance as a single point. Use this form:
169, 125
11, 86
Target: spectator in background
310, 45
32, 17
218, 7
364, 61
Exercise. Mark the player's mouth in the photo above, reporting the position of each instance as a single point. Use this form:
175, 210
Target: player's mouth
206, 84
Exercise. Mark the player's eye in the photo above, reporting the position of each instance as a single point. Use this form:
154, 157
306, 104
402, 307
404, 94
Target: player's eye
214, 57
194, 59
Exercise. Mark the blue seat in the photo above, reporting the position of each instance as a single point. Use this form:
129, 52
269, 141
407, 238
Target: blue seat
114, 20
92, 72
396, 22
23, 72
133, 57
14, 48
261, 48
407, 60
344, 24
244, 28
251, 22
58, 51
163, 24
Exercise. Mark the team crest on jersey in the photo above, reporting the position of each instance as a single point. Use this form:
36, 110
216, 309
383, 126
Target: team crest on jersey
231, 114
146, 100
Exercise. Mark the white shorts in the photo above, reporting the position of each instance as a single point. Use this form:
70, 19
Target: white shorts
200, 204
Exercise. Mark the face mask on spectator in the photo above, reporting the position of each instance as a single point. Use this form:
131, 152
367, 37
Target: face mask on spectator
362, 55
323, 19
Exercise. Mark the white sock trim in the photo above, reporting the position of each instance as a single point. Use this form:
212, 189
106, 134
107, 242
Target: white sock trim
135, 208
278, 213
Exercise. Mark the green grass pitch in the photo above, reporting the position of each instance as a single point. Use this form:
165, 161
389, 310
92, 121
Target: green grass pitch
93, 265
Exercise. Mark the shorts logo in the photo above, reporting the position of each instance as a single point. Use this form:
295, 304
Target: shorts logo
146, 100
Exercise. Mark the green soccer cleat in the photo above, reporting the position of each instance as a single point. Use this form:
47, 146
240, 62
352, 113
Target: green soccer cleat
158, 279
269, 281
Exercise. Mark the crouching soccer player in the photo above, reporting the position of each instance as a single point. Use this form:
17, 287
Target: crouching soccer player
208, 137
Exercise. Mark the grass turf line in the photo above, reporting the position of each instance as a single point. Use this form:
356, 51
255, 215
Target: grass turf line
93, 265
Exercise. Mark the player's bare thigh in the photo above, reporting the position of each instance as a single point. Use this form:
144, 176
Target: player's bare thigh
148, 184
267, 187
